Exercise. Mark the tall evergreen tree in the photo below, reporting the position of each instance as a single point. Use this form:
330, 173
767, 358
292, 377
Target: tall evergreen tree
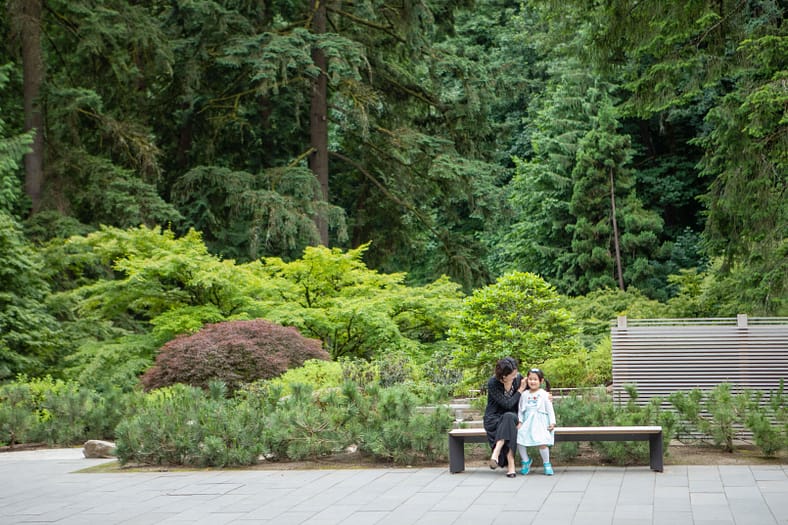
613, 236
26, 341
728, 57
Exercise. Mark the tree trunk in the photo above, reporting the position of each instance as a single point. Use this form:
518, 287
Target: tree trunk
616, 243
318, 118
29, 27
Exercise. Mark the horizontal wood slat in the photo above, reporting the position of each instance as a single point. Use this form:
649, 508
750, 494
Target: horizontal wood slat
667, 355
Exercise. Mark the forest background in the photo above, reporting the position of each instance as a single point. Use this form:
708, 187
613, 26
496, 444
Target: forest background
168, 164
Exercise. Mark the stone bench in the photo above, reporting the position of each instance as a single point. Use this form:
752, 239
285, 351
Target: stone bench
459, 436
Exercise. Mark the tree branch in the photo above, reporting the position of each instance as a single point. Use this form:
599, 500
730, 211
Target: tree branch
368, 23
388, 193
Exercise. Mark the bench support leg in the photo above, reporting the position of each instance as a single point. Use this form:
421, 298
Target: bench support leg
655, 452
456, 455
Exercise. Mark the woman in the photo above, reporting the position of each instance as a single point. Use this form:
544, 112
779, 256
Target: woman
500, 416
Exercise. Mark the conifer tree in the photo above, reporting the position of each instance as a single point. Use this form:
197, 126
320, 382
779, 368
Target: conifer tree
613, 236
26, 327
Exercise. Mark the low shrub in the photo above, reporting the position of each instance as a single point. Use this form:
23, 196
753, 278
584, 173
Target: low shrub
183, 425
768, 421
56, 412
315, 372
723, 415
596, 408
17, 413
399, 432
581, 368
234, 352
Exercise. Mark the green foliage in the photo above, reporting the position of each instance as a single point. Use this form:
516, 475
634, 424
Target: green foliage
602, 186
48, 225
596, 310
721, 291
717, 413
401, 433
317, 373
247, 216
520, 316
11, 151
582, 368
768, 421
769, 438
183, 425
106, 365
17, 413
56, 411
123, 293
439, 369
596, 408
233, 352
358, 312
746, 156
722, 415
722, 62
26, 327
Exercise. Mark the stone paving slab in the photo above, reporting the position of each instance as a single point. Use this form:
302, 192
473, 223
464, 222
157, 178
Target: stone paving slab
45, 486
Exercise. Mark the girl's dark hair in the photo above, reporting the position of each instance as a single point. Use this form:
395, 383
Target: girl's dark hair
504, 367
541, 376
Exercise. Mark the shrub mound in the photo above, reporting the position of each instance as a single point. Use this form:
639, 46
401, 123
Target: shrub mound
235, 352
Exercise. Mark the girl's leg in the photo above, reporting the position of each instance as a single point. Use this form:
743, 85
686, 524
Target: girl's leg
545, 453
525, 461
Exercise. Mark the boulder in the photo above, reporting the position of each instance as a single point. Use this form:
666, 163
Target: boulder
95, 448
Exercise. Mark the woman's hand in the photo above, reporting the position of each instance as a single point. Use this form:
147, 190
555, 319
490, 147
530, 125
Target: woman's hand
550, 427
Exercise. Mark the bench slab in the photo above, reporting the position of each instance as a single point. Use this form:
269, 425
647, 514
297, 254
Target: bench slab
653, 434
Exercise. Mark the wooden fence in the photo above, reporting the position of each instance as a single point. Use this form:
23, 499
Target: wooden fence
661, 356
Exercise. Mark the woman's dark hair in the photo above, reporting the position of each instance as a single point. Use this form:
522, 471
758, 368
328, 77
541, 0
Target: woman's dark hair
504, 367
541, 376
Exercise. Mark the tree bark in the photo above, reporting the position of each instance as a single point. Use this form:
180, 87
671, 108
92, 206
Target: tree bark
29, 27
616, 243
318, 118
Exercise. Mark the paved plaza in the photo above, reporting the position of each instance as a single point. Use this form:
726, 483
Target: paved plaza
45, 487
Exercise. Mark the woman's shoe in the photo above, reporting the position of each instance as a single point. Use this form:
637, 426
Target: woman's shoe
526, 467
511, 475
548, 469
493, 464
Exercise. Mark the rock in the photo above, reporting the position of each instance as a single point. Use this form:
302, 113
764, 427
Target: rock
95, 448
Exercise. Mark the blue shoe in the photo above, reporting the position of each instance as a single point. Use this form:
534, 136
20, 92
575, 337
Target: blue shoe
526, 467
548, 469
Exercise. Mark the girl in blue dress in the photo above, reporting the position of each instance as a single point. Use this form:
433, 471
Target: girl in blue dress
536, 421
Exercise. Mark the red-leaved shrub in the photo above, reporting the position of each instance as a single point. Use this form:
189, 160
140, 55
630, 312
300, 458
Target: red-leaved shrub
235, 352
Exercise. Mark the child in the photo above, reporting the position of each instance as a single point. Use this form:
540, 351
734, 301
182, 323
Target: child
536, 421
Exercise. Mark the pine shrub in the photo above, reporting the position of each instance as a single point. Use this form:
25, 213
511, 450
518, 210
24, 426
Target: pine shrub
716, 413
56, 411
184, 425
597, 409
234, 352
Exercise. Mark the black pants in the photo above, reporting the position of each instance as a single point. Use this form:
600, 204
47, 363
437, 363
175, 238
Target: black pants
505, 429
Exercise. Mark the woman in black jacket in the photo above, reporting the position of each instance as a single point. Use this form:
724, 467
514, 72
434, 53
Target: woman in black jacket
500, 416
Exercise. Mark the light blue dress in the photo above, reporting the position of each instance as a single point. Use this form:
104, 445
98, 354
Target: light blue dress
536, 413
